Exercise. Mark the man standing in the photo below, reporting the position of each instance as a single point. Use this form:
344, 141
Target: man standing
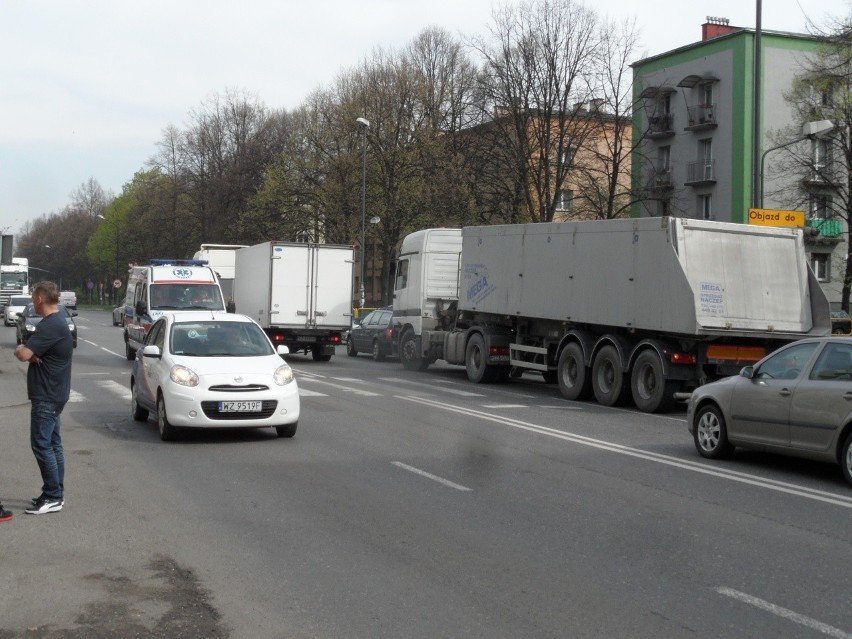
48, 350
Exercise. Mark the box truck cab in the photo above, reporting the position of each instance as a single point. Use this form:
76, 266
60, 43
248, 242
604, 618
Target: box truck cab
163, 286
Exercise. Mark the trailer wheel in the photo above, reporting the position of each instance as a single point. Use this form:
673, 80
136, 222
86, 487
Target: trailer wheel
573, 374
408, 354
652, 393
609, 383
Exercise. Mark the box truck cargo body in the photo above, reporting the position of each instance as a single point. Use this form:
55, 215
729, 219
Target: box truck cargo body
646, 308
300, 294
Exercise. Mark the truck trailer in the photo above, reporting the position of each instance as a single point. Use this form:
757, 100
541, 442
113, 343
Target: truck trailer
299, 293
14, 279
644, 309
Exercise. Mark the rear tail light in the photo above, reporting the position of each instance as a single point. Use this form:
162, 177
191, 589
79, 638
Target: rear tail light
498, 350
682, 358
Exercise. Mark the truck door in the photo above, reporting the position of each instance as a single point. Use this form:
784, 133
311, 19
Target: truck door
331, 286
290, 303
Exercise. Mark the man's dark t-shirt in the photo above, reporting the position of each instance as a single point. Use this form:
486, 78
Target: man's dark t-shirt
50, 379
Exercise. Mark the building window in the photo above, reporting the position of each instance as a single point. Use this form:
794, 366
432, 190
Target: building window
705, 207
706, 150
820, 264
707, 95
664, 155
820, 208
821, 157
565, 201
664, 208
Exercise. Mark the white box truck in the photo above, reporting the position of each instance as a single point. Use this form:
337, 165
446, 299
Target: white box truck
300, 294
645, 308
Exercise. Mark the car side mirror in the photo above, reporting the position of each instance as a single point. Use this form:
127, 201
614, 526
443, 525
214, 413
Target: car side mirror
282, 349
151, 351
73, 313
747, 372
140, 308
231, 306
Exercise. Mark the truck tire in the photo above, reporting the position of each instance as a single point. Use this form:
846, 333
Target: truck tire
408, 355
609, 382
318, 354
478, 371
652, 392
575, 382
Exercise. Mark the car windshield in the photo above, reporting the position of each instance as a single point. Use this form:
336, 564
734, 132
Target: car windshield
186, 296
30, 311
19, 301
218, 339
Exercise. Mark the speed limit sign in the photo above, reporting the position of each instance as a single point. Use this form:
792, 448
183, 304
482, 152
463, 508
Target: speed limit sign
116, 284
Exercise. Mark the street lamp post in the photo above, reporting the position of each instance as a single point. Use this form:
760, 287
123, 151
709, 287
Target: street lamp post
365, 123
810, 130
49, 247
373, 220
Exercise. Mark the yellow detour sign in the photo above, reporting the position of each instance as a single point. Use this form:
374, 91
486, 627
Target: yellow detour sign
773, 217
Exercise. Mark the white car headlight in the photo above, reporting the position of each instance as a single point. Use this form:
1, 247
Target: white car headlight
30, 327
183, 376
283, 375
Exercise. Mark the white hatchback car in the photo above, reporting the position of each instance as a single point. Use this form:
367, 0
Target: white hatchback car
16, 306
213, 370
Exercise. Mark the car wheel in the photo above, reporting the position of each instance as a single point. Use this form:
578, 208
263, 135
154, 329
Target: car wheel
350, 347
318, 355
652, 393
168, 433
288, 430
114, 321
575, 382
129, 353
139, 414
846, 458
608, 380
711, 435
378, 353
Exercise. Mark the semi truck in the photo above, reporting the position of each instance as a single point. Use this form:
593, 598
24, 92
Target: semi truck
14, 279
644, 309
299, 293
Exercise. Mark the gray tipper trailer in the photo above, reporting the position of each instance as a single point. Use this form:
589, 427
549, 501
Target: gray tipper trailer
644, 308
299, 293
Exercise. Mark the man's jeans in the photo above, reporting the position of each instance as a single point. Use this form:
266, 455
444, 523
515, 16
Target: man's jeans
47, 447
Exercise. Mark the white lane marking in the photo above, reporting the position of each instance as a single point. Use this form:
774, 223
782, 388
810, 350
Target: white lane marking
504, 406
346, 389
423, 473
668, 460
304, 392
503, 390
396, 380
121, 355
559, 407
76, 397
114, 387
795, 617
348, 379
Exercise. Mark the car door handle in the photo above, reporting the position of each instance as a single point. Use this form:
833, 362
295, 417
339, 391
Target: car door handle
785, 392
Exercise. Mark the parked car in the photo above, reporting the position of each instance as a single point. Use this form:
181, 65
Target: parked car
795, 402
68, 298
16, 305
28, 319
374, 335
213, 370
118, 316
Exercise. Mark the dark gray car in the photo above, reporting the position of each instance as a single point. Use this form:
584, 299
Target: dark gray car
28, 319
374, 335
796, 401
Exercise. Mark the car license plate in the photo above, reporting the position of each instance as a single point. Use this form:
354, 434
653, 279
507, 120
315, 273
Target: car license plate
240, 407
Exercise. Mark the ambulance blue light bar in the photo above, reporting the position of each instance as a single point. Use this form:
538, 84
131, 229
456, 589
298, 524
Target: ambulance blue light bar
161, 262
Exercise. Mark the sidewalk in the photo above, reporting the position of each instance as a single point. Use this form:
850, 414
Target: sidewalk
13, 380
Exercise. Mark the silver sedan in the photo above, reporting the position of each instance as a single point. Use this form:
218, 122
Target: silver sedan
796, 401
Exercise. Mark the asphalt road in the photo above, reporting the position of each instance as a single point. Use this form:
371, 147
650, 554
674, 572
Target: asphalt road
413, 505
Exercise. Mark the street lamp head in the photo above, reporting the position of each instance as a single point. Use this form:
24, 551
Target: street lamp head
375, 219
815, 129
47, 246
100, 216
363, 121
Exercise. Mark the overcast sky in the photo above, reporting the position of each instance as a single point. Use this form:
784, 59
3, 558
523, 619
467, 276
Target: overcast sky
87, 86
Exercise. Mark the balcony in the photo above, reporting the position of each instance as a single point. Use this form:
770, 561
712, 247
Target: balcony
827, 228
701, 173
661, 179
661, 126
701, 117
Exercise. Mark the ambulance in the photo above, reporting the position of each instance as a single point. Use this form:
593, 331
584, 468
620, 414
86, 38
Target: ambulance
163, 286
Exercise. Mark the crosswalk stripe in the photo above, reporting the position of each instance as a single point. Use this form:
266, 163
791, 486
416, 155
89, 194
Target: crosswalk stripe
114, 387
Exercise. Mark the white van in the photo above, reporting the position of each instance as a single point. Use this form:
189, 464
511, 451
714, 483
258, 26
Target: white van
163, 286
